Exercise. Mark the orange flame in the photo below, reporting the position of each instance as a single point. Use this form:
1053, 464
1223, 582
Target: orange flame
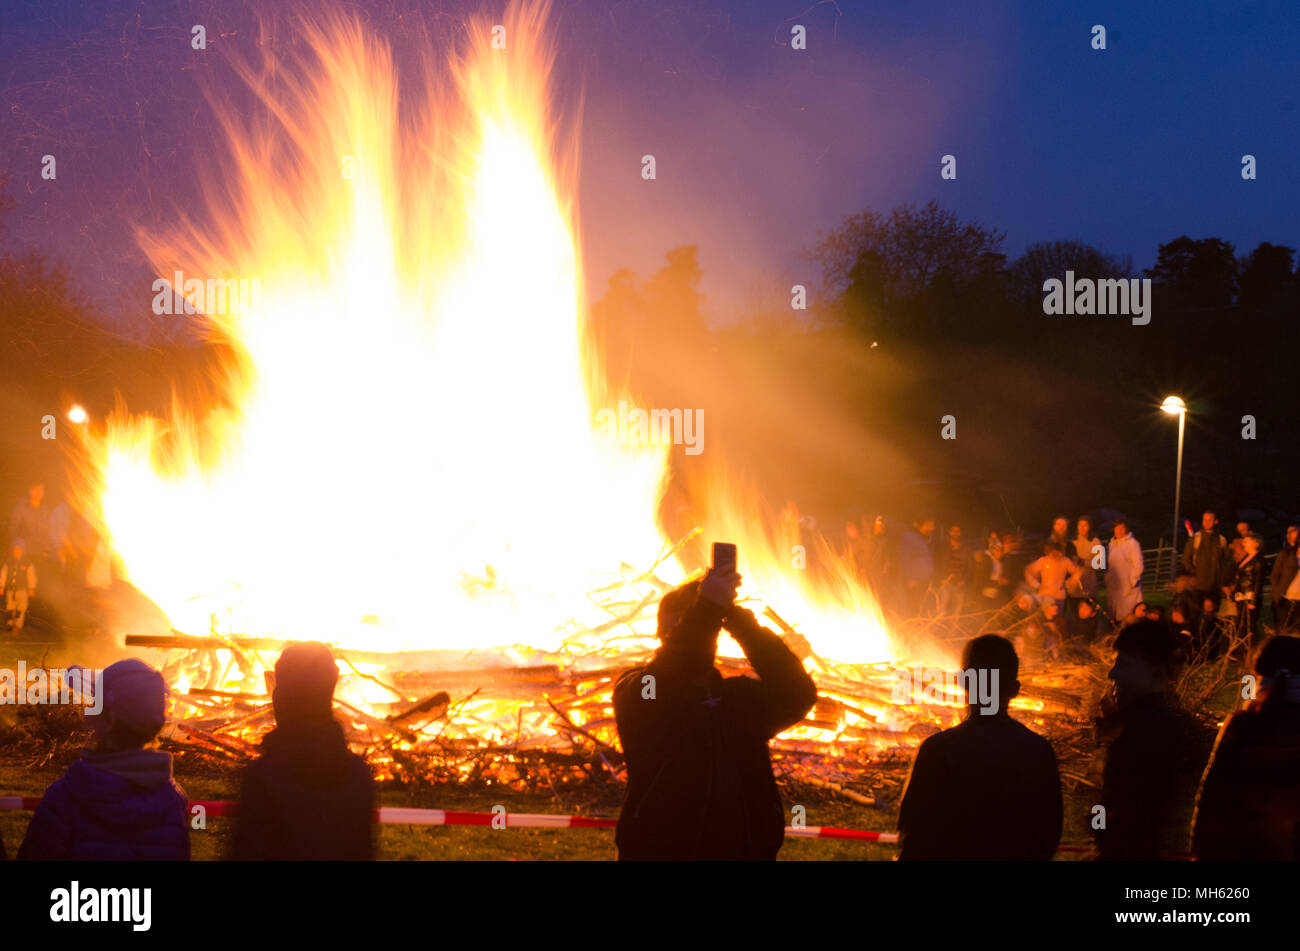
407, 456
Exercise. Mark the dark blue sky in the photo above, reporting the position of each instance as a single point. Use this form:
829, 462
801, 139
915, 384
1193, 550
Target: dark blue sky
759, 147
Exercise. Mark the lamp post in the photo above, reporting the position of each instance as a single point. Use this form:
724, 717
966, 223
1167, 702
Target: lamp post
1175, 406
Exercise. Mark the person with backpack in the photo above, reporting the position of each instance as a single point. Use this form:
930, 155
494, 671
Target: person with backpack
1207, 558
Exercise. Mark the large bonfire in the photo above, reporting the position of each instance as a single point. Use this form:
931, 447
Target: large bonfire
406, 461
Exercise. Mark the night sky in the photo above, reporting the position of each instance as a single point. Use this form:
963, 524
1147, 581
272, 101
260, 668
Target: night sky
759, 146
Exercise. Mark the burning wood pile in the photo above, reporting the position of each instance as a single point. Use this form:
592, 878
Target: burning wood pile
545, 721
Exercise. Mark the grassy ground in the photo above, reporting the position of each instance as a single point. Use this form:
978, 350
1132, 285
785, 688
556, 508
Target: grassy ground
426, 843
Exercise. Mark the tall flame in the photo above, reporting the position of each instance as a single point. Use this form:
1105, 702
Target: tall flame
407, 437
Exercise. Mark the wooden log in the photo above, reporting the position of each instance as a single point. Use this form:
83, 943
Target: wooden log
836, 787
192, 642
428, 705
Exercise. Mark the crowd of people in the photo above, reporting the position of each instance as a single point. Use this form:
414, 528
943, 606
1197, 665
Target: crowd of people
1056, 582
700, 783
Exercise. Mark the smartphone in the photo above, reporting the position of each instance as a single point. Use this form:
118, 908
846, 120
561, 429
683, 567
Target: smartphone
724, 557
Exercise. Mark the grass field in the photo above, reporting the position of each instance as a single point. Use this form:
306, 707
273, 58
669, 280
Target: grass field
405, 842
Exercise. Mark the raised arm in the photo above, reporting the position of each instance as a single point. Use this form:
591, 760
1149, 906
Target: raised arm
784, 691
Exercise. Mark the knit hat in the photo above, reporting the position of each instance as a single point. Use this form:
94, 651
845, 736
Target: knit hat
135, 694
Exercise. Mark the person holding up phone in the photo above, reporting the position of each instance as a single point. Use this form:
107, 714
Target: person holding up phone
700, 782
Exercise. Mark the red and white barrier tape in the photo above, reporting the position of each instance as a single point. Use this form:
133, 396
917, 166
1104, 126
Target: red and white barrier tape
389, 815
394, 815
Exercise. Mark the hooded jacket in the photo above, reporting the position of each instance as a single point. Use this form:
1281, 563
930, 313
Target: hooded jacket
700, 783
307, 797
119, 806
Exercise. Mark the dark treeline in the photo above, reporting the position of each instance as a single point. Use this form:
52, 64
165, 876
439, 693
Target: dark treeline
919, 314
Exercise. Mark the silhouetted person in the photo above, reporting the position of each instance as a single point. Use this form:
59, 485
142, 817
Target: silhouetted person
1045, 634
30, 520
1285, 587
856, 549
1248, 588
1238, 545
1083, 550
1158, 750
1014, 556
1088, 622
307, 797
699, 776
916, 565
990, 584
953, 571
17, 587
1060, 532
1209, 629
987, 788
1207, 558
119, 801
881, 562
1248, 807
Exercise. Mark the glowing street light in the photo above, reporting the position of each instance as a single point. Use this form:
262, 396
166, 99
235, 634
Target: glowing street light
77, 414
1174, 405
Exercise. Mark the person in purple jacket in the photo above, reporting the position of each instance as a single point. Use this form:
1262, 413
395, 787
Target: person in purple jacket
119, 801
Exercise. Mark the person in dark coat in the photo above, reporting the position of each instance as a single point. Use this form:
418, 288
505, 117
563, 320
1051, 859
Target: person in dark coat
1286, 566
119, 801
1248, 807
307, 797
988, 788
699, 775
881, 560
990, 586
1207, 558
1157, 751
1248, 588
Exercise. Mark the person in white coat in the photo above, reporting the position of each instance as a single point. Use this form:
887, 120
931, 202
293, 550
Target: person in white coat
1123, 572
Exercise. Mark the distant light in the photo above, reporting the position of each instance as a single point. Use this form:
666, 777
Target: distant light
874, 344
1173, 405
77, 414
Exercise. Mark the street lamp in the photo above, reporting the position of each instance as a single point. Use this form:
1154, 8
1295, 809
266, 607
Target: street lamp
1174, 405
